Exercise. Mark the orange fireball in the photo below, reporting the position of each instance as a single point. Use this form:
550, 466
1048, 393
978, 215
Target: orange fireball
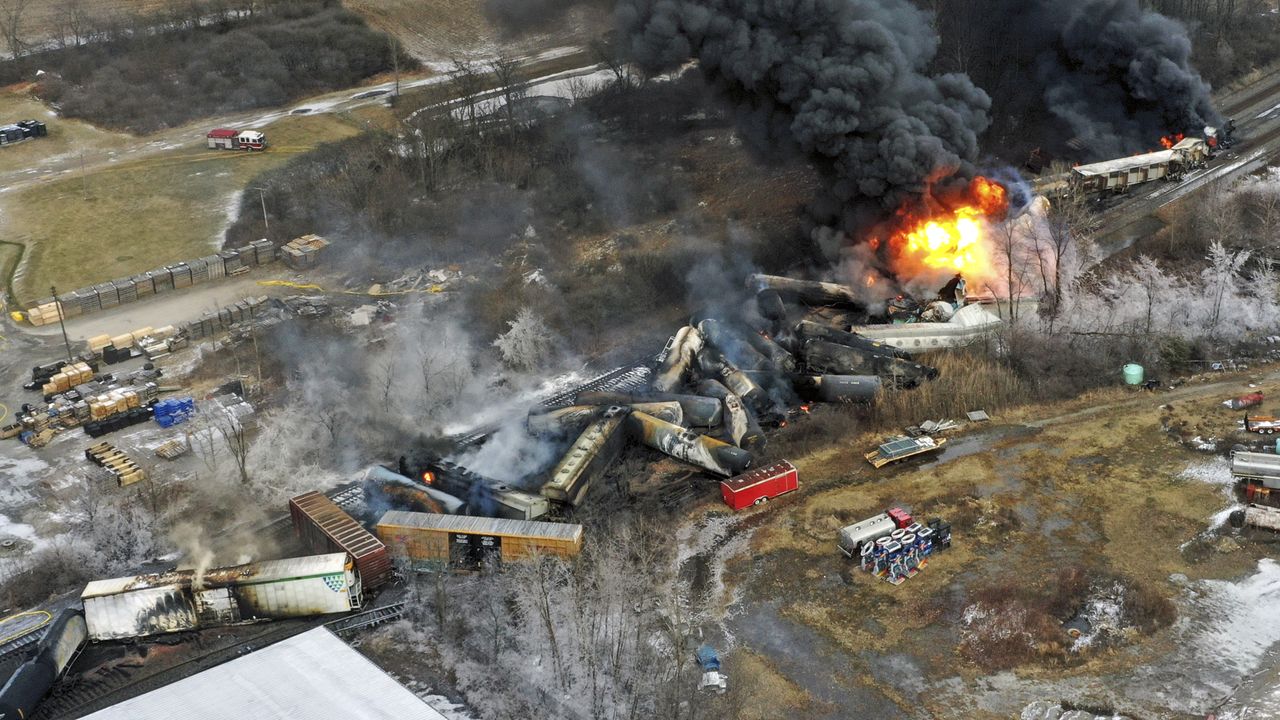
949, 239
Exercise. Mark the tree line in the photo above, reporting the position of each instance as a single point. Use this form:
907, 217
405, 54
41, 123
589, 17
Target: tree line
142, 73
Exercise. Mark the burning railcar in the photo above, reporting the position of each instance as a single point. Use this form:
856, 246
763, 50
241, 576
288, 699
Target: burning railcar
182, 600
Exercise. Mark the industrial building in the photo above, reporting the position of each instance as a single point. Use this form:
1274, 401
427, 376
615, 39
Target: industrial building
309, 676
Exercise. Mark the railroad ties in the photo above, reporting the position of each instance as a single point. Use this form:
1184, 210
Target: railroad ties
119, 464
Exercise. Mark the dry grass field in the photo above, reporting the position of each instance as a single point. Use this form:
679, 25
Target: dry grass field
126, 217
1093, 483
441, 29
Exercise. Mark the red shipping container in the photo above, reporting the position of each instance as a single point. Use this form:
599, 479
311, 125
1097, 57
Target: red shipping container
757, 486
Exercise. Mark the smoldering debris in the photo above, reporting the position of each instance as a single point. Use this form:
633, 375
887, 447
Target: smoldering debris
718, 382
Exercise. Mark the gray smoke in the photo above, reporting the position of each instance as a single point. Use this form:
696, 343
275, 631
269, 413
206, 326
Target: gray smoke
842, 81
1118, 76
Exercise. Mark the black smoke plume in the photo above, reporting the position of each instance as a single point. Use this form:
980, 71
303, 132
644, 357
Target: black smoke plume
1108, 74
843, 81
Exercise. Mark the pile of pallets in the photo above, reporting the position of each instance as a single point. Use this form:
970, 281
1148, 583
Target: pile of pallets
125, 470
173, 449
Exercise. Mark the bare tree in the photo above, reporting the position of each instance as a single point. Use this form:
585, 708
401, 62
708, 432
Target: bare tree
13, 25
468, 84
74, 24
1071, 225
512, 88
608, 53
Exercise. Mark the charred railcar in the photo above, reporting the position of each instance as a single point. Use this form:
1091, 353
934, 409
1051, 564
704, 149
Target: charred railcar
180, 600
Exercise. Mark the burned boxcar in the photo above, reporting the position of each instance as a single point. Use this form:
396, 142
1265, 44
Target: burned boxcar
472, 542
1120, 174
324, 527
180, 600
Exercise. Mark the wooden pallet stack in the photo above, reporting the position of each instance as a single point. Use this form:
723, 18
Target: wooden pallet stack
125, 470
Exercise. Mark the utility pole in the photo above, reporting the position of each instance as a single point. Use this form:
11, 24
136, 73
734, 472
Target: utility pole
263, 197
53, 290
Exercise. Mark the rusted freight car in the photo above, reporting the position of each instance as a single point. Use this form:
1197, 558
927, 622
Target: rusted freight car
325, 527
471, 542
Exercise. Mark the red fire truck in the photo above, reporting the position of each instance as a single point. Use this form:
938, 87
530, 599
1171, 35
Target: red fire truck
229, 139
757, 486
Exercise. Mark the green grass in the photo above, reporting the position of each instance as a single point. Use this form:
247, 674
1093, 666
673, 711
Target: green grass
66, 137
127, 218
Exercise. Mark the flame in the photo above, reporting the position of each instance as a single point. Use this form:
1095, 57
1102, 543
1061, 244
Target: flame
950, 239
428, 477
1168, 141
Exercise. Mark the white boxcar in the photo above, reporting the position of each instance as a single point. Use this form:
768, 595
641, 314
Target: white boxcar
176, 601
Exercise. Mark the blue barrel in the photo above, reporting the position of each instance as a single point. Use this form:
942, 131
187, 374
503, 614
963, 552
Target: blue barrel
1134, 374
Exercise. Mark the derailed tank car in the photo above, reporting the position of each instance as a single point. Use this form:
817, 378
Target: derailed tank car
181, 600
31, 682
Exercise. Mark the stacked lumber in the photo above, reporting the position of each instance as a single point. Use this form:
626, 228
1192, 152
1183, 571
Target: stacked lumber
119, 464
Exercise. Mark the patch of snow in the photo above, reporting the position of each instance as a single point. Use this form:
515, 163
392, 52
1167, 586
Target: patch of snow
1215, 471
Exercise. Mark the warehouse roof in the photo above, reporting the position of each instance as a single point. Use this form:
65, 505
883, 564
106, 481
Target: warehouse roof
307, 677
1107, 167
259, 572
481, 525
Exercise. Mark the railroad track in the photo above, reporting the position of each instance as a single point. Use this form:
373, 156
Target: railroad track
367, 619
81, 695
620, 379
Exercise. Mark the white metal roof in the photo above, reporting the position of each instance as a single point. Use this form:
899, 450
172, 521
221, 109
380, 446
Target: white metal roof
312, 676
483, 525
265, 571
1107, 167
